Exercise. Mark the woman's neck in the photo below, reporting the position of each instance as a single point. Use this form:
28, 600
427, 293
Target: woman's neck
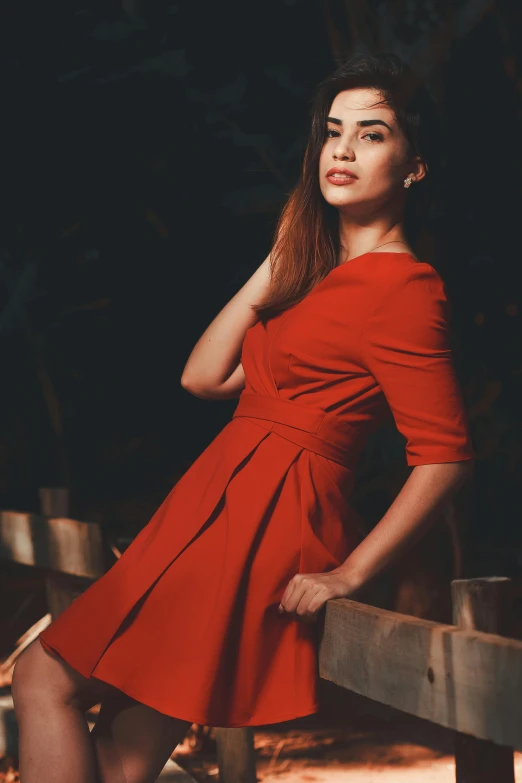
357, 239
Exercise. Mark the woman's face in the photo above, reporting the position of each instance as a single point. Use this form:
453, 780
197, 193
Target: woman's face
363, 140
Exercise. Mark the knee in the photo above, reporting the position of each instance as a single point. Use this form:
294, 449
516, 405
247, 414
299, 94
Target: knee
22, 678
29, 680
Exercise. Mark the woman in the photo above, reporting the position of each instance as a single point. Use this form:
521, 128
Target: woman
208, 616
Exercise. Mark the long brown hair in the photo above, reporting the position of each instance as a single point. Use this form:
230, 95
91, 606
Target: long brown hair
306, 240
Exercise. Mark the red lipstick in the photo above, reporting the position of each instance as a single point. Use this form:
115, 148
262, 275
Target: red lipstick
340, 176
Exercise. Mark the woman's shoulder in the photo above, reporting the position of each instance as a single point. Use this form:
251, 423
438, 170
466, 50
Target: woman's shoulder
392, 270
403, 283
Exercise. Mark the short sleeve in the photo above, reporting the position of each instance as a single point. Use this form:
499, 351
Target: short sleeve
405, 345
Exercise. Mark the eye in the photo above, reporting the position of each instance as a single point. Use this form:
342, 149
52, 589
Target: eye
379, 136
331, 130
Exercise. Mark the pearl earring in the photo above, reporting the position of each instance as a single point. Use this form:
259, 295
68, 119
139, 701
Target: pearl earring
407, 182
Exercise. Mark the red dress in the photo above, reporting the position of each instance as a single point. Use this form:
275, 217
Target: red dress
186, 620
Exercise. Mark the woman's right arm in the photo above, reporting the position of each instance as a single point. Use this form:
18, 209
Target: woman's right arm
213, 369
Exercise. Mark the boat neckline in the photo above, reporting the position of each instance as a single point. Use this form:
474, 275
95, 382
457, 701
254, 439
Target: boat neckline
375, 253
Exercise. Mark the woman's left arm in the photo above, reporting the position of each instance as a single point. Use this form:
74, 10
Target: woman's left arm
405, 346
428, 489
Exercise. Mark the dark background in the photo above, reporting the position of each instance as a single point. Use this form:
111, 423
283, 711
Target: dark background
148, 148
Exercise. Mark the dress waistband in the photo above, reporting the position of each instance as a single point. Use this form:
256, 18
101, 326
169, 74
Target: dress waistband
305, 425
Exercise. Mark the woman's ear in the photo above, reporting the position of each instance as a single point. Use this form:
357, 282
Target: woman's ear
418, 169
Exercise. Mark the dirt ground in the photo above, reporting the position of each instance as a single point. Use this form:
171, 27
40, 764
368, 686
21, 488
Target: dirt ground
351, 739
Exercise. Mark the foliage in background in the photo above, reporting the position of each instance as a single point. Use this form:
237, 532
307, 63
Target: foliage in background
149, 147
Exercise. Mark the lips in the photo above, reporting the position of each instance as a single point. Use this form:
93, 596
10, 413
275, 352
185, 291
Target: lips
344, 172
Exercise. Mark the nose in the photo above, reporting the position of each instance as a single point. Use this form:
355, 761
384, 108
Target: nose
343, 150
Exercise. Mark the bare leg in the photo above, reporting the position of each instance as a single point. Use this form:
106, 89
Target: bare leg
50, 700
133, 742
130, 742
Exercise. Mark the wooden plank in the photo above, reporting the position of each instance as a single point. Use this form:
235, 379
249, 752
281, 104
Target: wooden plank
62, 588
469, 681
60, 544
173, 773
236, 755
483, 605
54, 501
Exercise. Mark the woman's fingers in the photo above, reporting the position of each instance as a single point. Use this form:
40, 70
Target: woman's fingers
284, 605
306, 594
294, 592
301, 597
311, 603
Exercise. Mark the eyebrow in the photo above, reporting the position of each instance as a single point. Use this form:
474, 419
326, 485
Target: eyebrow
361, 123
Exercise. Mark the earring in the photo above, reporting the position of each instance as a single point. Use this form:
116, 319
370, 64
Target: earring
407, 182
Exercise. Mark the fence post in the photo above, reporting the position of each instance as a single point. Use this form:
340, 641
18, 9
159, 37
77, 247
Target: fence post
60, 589
482, 605
236, 755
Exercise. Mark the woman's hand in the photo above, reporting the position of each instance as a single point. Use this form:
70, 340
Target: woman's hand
305, 594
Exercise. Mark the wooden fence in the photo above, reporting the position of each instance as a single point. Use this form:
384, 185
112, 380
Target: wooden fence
466, 677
